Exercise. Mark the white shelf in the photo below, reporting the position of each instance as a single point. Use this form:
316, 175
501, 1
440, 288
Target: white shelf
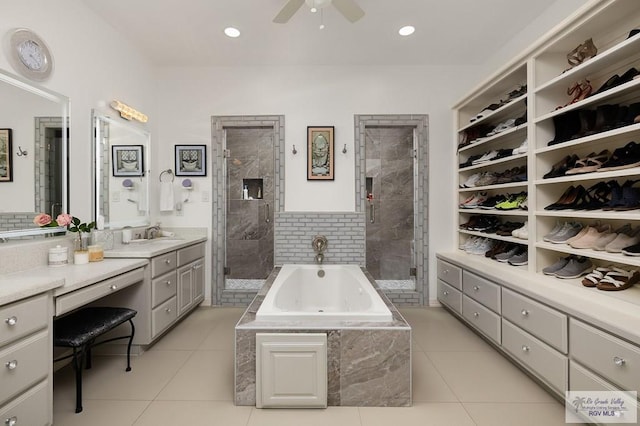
493, 162
498, 186
514, 212
597, 175
489, 139
592, 254
495, 236
499, 113
621, 131
591, 214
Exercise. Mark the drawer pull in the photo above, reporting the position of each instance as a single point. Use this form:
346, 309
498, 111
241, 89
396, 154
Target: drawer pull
525, 313
446, 293
11, 321
168, 310
168, 282
619, 361
475, 314
196, 267
476, 288
445, 272
168, 261
113, 287
11, 421
525, 348
12, 365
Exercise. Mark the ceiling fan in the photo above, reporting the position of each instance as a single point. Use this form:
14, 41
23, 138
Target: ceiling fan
348, 8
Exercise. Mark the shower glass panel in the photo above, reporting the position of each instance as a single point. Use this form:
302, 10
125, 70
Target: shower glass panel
249, 206
390, 205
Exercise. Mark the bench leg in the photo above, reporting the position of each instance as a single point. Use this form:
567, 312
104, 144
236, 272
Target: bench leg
133, 332
78, 358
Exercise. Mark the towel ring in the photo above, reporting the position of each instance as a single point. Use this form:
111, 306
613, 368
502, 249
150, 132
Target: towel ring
169, 172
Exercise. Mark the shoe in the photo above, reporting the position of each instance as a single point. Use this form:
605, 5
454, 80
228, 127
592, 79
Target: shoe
469, 161
481, 247
623, 158
485, 112
630, 197
522, 149
522, 232
486, 157
491, 202
566, 125
605, 239
486, 179
513, 202
569, 230
589, 239
471, 181
593, 278
570, 199
473, 201
555, 230
561, 263
581, 234
499, 247
503, 153
589, 164
507, 228
618, 280
584, 51
519, 259
503, 126
505, 256
633, 250
575, 268
561, 167
624, 240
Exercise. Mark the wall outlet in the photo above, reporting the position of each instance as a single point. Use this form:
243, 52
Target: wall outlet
205, 196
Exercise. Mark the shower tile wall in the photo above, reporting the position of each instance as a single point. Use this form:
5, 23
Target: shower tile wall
389, 164
249, 235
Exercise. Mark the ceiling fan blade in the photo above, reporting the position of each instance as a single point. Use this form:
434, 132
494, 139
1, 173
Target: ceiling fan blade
349, 8
288, 11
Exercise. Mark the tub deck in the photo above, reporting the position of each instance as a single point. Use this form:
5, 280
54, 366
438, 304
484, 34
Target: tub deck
369, 363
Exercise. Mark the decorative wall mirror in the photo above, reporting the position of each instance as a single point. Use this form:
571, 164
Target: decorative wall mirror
34, 158
121, 175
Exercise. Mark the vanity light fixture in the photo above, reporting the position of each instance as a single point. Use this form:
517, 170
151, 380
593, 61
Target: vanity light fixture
232, 32
128, 112
406, 30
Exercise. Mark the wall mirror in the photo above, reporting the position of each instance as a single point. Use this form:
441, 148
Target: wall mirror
34, 123
121, 172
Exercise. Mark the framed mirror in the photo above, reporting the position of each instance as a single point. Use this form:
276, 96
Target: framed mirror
121, 175
33, 156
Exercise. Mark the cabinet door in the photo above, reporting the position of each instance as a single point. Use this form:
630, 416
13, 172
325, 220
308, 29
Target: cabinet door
185, 286
198, 281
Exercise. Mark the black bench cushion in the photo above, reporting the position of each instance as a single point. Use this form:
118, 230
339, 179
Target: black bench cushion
84, 325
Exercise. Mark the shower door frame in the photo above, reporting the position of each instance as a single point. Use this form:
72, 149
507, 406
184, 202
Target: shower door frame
420, 124
219, 124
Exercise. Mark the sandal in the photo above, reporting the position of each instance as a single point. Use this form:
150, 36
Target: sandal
594, 277
591, 163
584, 51
618, 280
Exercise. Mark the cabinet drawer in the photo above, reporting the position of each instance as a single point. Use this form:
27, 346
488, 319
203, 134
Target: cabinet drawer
450, 274
449, 296
543, 360
163, 264
615, 360
481, 317
481, 290
163, 316
545, 323
30, 408
75, 299
191, 253
23, 318
163, 287
23, 364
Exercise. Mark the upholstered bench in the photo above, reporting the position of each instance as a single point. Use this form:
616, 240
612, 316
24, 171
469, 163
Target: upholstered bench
79, 330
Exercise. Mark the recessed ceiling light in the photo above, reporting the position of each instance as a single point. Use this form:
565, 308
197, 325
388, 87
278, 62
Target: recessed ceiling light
232, 32
405, 31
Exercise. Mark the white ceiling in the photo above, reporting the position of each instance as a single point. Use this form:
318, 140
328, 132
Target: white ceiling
190, 32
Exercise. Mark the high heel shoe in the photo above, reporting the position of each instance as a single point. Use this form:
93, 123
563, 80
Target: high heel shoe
567, 197
584, 51
561, 167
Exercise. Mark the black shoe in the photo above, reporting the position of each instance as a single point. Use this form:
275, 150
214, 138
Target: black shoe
566, 125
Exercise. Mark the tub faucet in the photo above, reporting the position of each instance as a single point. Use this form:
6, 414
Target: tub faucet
319, 258
319, 245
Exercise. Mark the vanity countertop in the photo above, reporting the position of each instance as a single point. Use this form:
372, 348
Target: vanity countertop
20, 285
150, 248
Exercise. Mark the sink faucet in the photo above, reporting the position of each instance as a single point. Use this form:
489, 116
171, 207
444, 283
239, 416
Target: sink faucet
152, 232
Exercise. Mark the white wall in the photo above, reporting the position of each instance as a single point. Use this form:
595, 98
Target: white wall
93, 65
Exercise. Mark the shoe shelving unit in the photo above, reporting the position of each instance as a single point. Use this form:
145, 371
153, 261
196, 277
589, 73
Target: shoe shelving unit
613, 315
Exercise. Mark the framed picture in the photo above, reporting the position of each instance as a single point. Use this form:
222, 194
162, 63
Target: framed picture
320, 153
127, 160
6, 164
191, 160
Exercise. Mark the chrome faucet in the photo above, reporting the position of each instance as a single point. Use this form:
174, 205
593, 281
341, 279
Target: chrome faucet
319, 245
152, 232
319, 258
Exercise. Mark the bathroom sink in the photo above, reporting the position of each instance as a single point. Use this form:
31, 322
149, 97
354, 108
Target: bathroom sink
139, 241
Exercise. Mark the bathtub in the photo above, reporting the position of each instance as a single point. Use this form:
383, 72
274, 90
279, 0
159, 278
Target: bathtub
344, 293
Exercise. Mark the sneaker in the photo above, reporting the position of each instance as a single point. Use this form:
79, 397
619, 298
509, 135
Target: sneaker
513, 202
486, 179
633, 250
554, 231
490, 203
522, 232
589, 239
623, 240
575, 268
471, 181
602, 241
486, 157
473, 201
519, 259
561, 263
522, 149
504, 257
569, 230
483, 246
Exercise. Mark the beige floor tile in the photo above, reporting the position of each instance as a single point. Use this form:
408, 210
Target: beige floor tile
194, 413
428, 385
331, 416
509, 414
206, 376
185, 336
420, 414
486, 377
107, 379
220, 338
98, 412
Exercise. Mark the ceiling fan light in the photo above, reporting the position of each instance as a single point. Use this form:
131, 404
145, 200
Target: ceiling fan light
232, 32
406, 30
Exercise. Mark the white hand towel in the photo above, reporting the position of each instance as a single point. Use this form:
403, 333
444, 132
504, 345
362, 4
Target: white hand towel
166, 197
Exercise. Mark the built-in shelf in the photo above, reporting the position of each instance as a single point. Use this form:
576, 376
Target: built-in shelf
494, 162
497, 186
515, 212
504, 112
495, 236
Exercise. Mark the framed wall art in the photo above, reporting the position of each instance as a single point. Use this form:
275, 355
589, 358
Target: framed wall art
191, 160
127, 160
320, 155
6, 162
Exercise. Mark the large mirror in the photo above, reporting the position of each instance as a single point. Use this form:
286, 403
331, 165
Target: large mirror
33, 155
121, 189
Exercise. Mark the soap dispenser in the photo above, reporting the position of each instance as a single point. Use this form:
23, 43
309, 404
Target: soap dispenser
245, 192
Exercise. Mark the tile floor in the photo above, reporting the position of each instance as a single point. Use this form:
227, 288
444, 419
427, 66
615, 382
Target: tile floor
187, 379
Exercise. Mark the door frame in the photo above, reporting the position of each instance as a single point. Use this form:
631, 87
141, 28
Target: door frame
220, 295
420, 124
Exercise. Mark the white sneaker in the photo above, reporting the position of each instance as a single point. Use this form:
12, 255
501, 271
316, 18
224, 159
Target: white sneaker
522, 232
483, 246
473, 201
486, 157
522, 149
471, 182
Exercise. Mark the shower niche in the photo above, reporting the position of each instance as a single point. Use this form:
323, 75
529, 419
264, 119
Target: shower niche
255, 188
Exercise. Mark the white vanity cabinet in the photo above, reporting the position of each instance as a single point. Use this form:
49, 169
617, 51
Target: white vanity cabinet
190, 275
450, 285
25, 361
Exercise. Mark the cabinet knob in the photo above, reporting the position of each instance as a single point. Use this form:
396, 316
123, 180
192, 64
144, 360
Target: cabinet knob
168, 282
524, 313
11, 421
11, 320
168, 310
525, 348
12, 365
445, 272
446, 293
113, 287
619, 361
475, 314
168, 261
476, 288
